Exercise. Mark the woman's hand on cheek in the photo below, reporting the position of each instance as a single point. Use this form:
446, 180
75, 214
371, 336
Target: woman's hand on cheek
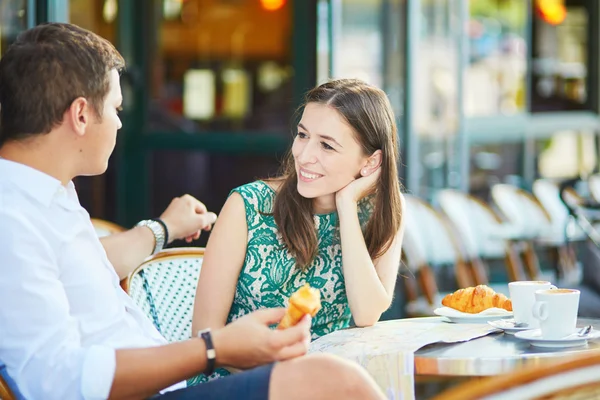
358, 188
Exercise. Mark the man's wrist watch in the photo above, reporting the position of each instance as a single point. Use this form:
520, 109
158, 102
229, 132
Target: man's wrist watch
158, 231
211, 355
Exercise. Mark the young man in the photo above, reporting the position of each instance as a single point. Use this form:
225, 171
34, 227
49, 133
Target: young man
67, 330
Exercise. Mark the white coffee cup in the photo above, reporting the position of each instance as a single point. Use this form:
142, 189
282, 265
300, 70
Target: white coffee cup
556, 309
522, 295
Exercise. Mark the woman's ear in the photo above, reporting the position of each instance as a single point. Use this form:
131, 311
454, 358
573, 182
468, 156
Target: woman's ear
373, 162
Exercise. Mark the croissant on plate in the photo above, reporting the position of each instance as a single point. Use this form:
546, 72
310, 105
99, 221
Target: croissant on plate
306, 300
473, 300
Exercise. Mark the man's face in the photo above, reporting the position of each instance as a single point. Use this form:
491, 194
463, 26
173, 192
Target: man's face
101, 135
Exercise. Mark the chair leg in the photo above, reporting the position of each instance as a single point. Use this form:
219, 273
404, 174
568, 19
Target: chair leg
532, 263
554, 256
464, 278
5, 392
478, 271
428, 284
567, 257
410, 286
513, 264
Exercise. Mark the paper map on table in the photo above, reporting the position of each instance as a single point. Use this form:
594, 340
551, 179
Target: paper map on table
386, 350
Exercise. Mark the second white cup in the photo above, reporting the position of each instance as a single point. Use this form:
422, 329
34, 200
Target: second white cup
522, 295
556, 309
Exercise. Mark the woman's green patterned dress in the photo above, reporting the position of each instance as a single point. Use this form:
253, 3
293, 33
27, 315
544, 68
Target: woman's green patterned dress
269, 277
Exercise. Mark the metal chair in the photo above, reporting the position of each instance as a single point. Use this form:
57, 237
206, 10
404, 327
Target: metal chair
570, 380
164, 286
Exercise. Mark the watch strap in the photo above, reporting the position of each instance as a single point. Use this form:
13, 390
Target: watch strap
157, 231
211, 355
165, 229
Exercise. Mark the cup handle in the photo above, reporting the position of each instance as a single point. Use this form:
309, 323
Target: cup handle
552, 287
540, 310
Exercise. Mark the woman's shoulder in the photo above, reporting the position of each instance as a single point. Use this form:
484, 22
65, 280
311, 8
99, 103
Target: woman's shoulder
256, 189
257, 195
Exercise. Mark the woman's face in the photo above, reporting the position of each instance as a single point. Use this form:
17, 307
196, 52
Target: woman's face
326, 154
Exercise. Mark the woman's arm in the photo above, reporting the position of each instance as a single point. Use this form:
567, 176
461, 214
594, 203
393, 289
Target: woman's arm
369, 283
223, 260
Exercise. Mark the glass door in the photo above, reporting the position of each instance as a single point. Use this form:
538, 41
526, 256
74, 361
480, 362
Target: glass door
210, 92
15, 17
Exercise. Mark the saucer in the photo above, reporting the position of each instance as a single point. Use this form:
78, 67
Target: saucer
508, 326
534, 337
483, 317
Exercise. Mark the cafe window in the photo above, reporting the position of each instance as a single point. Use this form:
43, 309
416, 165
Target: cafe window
566, 154
495, 75
436, 94
363, 39
14, 16
221, 66
494, 163
561, 68
98, 16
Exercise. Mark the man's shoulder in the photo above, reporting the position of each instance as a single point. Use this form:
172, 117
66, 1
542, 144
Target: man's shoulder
12, 198
17, 210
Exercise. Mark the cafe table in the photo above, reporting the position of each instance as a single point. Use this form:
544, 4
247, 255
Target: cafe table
394, 352
494, 354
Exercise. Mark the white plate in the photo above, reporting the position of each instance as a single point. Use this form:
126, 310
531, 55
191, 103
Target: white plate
507, 325
483, 317
534, 337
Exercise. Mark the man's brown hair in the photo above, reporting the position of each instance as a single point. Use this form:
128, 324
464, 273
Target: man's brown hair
45, 70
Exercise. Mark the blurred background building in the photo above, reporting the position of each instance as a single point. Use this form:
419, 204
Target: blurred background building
485, 91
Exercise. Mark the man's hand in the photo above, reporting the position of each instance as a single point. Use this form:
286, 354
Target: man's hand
249, 342
186, 217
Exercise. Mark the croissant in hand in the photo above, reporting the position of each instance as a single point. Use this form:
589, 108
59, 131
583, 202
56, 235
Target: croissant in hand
474, 300
306, 300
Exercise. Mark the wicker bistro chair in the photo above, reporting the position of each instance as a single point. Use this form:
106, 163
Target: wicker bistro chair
483, 234
534, 223
8, 388
164, 286
576, 379
106, 228
594, 186
565, 230
429, 242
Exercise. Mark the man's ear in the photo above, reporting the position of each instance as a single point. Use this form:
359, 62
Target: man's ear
79, 115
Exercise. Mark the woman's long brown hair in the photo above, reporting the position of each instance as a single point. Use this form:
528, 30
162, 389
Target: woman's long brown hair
368, 111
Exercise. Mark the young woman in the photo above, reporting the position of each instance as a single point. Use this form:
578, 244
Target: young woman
333, 219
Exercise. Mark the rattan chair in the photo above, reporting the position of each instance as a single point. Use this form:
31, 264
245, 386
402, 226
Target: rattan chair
548, 193
594, 186
576, 379
164, 286
8, 390
429, 241
483, 234
106, 228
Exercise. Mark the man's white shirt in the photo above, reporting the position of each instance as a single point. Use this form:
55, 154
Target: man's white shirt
62, 310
